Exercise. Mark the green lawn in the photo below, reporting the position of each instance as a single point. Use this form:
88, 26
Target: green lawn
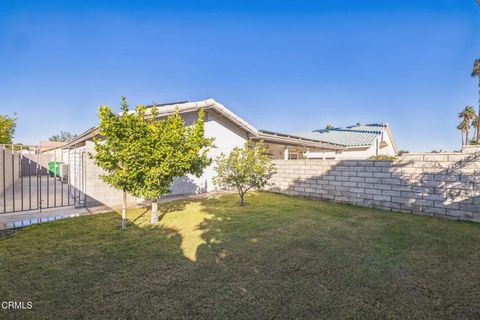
279, 257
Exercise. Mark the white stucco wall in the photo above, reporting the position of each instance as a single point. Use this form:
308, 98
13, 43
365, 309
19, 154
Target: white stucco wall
98, 192
227, 136
387, 150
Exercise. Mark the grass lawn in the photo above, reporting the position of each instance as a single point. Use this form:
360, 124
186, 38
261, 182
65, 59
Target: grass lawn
279, 257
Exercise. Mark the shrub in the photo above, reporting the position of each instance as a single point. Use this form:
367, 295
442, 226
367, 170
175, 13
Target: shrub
383, 157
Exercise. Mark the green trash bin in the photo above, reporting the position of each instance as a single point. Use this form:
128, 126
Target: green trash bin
54, 168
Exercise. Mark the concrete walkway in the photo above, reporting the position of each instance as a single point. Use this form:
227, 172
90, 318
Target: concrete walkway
27, 218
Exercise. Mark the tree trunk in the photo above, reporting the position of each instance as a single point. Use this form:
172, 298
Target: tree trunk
242, 202
463, 141
124, 210
466, 138
478, 129
154, 218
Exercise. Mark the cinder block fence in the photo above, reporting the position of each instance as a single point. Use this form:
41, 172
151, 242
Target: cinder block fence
446, 184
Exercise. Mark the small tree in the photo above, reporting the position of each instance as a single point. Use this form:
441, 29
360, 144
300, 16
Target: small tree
64, 136
170, 149
116, 152
244, 168
7, 129
141, 154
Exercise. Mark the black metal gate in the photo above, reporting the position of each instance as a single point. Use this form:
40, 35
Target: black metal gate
36, 178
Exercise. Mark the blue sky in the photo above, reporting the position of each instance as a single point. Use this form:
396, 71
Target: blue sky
281, 65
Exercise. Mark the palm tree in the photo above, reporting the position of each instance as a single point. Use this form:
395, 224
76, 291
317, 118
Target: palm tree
476, 73
476, 125
467, 114
463, 128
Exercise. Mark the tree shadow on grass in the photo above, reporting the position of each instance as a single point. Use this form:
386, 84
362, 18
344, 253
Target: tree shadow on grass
200, 223
140, 216
269, 259
174, 267
185, 218
163, 209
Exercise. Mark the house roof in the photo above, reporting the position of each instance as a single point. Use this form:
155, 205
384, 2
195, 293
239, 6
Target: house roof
352, 136
211, 104
272, 136
165, 110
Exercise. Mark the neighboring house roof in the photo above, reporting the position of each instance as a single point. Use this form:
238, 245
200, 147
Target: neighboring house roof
353, 136
50, 145
211, 104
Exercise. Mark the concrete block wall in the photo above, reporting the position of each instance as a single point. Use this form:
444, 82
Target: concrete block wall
446, 184
7, 160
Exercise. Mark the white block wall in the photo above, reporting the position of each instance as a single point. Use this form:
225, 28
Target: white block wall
432, 184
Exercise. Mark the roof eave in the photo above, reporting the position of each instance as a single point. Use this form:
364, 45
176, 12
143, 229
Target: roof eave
220, 108
392, 139
295, 140
90, 133
181, 108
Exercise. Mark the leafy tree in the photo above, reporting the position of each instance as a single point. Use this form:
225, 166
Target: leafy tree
64, 136
467, 115
244, 168
170, 149
116, 154
476, 73
329, 127
141, 154
7, 129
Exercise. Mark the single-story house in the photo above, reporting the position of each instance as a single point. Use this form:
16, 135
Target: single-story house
360, 141
229, 131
